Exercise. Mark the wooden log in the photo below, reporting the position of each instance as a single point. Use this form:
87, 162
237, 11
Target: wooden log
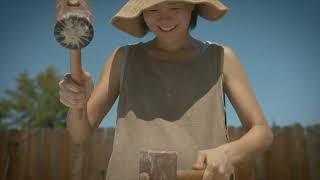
162, 165
73, 28
158, 165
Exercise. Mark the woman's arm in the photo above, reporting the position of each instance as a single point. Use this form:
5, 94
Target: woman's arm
259, 135
106, 90
100, 102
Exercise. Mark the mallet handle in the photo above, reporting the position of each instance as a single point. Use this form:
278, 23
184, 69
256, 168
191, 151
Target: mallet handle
75, 66
189, 174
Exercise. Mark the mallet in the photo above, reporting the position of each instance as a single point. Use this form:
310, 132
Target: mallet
160, 165
73, 30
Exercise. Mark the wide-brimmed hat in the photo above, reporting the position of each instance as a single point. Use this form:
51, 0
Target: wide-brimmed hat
129, 19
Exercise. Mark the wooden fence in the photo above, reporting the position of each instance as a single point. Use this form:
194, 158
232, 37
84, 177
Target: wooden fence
37, 154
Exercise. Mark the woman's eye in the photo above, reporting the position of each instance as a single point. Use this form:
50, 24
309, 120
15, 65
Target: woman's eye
153, 10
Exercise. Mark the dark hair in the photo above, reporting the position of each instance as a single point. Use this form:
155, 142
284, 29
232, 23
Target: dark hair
194, 18
192, 23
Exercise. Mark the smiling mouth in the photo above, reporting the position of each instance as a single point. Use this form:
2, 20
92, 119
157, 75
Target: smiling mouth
167, 29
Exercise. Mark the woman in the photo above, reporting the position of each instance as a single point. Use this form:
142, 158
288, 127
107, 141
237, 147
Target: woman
170, 92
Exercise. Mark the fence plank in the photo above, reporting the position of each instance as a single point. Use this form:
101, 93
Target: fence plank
64, 154
34, 151
13, 158
46, 147
299, 163
260, 168
4, 152
313, 151
21, 158
98, 155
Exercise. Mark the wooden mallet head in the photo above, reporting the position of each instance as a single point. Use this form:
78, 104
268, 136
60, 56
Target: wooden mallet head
73, 28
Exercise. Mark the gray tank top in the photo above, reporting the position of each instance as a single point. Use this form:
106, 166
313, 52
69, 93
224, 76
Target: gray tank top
168, 106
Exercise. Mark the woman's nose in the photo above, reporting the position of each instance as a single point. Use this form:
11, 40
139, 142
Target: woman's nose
164, 17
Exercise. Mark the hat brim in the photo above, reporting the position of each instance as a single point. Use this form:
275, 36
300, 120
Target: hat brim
129, 18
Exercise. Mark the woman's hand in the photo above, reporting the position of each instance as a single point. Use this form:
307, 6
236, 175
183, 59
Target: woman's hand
215, 162
74, 95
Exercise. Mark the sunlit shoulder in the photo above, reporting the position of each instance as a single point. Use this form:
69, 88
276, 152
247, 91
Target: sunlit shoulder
232, 68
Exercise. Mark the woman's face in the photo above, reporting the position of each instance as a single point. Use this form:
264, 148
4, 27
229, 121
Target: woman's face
168, 19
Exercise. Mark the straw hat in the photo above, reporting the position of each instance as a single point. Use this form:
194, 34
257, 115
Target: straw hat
129, 18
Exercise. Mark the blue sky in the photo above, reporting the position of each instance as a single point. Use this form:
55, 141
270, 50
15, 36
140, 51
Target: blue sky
276, 41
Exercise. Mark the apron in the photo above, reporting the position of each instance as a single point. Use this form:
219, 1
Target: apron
168, 106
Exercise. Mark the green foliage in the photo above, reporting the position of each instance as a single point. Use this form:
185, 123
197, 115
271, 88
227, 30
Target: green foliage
34, 102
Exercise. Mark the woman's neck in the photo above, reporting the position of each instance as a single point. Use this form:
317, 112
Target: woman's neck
187, 48
172, 45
